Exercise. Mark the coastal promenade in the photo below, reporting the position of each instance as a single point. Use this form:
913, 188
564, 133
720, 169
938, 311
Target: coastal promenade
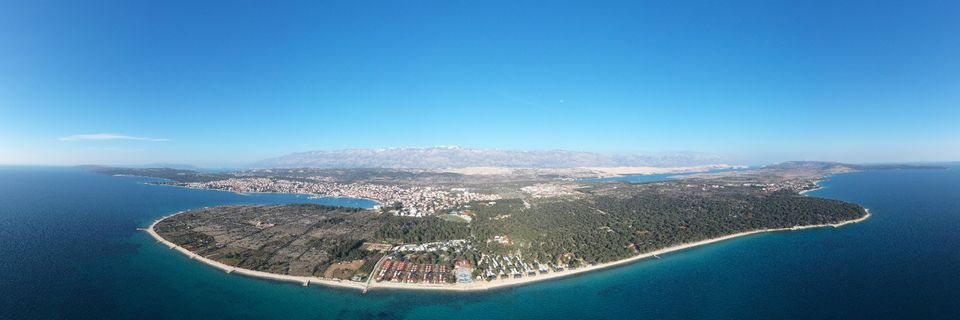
474, 286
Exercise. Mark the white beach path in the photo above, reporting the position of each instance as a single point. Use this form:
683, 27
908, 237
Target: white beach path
475, 286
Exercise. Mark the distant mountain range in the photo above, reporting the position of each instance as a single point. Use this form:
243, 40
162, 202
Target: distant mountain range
457, 157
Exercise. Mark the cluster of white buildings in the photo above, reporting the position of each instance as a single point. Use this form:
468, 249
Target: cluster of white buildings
442, 246
506, 266
545, 190
797, 185
416, 201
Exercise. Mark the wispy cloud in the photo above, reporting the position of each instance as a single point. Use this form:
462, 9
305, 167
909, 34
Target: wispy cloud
108, 136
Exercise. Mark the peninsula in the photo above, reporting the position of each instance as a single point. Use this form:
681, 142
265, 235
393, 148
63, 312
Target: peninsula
481, 232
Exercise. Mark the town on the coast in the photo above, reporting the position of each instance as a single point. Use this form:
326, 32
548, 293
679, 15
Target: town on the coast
416, 201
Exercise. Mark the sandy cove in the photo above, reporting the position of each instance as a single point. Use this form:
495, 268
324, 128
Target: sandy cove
475, 286
818, 187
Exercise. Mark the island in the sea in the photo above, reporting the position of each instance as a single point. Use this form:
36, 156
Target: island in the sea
483, 228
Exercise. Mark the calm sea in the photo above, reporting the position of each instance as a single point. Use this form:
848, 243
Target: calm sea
69, 249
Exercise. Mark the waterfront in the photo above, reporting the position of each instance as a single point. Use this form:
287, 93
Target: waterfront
78, 255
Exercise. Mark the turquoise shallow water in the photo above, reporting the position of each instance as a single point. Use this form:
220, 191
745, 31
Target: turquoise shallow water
69, 249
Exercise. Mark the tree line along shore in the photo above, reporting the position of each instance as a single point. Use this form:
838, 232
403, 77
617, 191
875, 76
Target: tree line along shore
471, 286
484, 244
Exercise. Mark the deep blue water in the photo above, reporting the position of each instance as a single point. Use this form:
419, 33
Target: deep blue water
69, 249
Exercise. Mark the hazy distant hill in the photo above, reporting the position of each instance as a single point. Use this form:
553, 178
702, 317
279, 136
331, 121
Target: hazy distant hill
826, 165
456, 157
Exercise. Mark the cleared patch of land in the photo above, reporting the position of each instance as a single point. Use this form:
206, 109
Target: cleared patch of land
343, 270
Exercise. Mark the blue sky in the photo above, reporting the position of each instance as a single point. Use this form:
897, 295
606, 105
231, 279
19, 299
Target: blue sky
225, 83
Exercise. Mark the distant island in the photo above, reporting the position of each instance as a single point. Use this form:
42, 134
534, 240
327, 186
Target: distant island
442, 230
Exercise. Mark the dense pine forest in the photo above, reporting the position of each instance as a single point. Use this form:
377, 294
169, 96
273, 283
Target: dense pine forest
596, 224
